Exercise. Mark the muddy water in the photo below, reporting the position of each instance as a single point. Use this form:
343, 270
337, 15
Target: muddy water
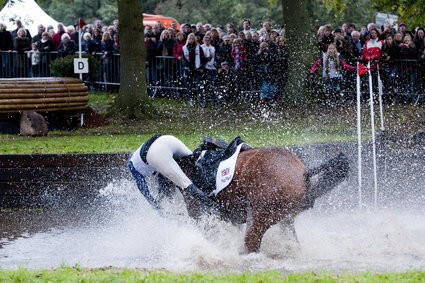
120, 229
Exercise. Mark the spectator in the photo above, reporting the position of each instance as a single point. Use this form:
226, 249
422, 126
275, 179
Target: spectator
251, 47
156, 30
106, 46
332, 64
34, 56
97, 39
45, 46
224, 51
408, 51
51, 33
355, 41
57, 37
70, 30
40, 30
210, 68
238, 54
186, 29
350, 29
267, 26
281, 65
230, 29
164, 47
97, 24
107, 50
193, 62
246, 26
215, 39
178, 46
165, 44
18, 27
88, 45
45, 43
390, 52
266, 75
111, 30
418, 40
6, 44
338, 32
226, 85
325, 38
344, 48
207, 27
402, 28
372, 49
21, 44
67, 46
116, 24
398, 38
116, 44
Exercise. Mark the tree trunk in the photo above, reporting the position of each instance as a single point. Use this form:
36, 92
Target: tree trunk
132, 101
301, 47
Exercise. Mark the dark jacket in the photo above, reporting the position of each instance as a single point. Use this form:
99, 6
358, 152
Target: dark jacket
46, 46
89, 46
224, 54
165, 46
6, 42
67, 49
22, 44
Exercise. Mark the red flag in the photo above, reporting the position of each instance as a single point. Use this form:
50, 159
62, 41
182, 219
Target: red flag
361, 69
82, 23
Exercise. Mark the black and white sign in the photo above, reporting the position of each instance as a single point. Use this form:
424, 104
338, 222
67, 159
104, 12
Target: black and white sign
81, 65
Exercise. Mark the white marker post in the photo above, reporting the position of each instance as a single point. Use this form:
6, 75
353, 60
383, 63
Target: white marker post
359, 139
381, 107
79, 44
372, 122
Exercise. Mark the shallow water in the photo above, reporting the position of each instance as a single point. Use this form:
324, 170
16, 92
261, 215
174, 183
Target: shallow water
121, 230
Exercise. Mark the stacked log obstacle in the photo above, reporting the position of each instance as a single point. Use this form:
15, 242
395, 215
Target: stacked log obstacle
42, 94
34, 180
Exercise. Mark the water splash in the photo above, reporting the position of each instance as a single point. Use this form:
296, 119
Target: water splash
123, 231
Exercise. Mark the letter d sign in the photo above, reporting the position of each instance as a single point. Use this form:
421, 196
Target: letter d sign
81, 65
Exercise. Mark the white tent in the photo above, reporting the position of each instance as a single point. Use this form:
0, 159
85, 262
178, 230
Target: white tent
28, 12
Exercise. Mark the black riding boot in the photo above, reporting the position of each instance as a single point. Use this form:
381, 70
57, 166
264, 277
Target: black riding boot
195, 192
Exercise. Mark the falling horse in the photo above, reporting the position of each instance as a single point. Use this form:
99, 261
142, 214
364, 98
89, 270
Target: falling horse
270, 185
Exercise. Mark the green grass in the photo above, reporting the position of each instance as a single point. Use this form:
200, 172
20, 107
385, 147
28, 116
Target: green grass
286, 125
76, 274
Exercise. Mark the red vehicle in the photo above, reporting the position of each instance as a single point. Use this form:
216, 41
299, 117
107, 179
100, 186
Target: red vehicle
151, 20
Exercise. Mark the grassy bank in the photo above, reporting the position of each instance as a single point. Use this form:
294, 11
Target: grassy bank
257, 125
75, 274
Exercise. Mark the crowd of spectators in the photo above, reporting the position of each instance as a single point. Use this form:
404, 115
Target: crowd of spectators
96, 38
218, 63
397, 53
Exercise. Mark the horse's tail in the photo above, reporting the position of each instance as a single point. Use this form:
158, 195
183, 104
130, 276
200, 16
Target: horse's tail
331, 173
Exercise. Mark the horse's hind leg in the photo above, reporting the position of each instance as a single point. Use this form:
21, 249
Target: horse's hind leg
257, 224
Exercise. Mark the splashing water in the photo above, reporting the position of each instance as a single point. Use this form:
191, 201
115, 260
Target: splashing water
123, 231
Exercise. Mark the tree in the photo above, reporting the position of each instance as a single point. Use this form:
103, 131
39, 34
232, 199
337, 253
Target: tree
301, 46
69, 11
411, 11
132, 100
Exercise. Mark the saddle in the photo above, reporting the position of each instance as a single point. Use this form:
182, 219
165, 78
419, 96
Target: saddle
205, 172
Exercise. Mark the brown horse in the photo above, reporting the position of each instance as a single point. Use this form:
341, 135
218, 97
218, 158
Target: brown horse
270, 185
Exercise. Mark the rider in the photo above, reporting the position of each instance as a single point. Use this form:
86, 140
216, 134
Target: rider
158, 155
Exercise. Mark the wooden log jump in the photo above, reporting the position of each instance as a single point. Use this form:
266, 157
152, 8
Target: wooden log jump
42, 94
